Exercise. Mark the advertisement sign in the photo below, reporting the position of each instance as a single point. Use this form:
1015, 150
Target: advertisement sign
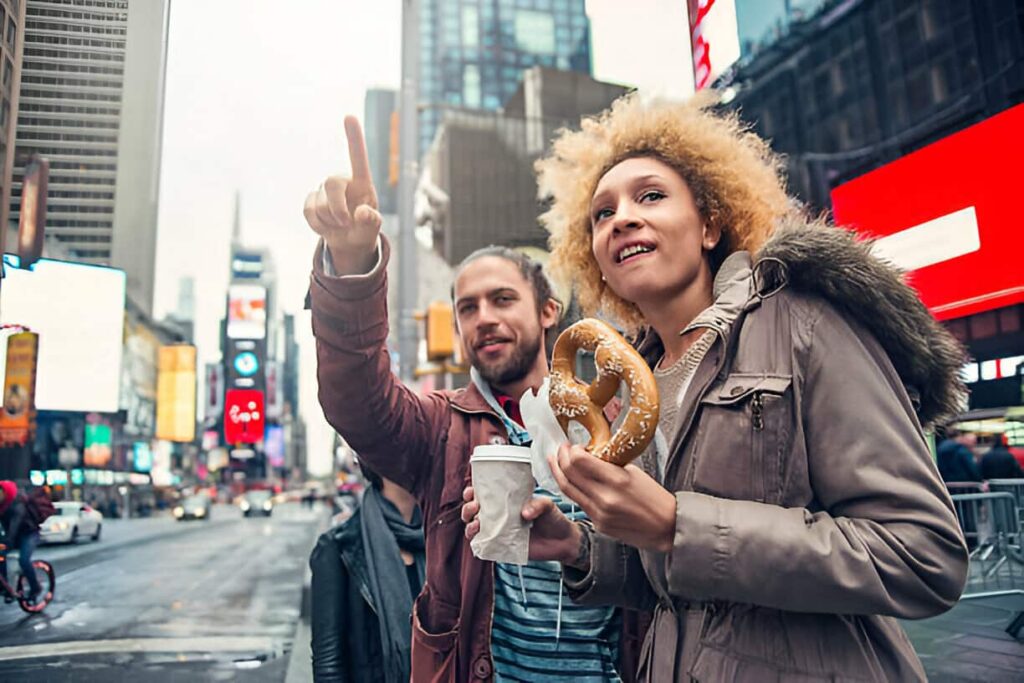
32, 212
98, 443
214, 394
18, 415
247, 312
275, 390
176, 393
714, 39
138, 379
142, 457
244, 418
948, 213
246, 265
245, 363
161, 471
78, 311
274, 446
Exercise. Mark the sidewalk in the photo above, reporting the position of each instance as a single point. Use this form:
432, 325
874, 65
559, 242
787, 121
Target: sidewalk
970, 642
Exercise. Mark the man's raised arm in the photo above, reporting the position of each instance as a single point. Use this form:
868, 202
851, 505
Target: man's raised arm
393, 429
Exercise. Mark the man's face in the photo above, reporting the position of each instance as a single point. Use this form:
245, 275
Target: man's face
497, 319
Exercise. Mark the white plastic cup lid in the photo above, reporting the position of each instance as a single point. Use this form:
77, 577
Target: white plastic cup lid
500, 453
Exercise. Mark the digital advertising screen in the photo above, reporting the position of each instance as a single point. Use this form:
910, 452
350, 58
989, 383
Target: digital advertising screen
78, 312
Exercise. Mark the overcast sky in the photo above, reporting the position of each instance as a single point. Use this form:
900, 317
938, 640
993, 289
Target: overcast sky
256, 92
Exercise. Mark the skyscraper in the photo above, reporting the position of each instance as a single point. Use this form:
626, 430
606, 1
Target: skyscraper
473, 53
91, 102
379, 117
12, 14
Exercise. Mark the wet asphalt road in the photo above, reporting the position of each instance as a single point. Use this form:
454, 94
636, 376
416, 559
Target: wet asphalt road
159, 600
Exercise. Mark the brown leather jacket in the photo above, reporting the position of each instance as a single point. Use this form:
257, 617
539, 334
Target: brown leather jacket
809, 512
422, 442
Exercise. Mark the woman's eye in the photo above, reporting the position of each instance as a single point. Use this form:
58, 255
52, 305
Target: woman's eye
601, 214
652, 196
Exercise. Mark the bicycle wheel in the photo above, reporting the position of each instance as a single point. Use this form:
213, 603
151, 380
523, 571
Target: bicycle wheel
47, 581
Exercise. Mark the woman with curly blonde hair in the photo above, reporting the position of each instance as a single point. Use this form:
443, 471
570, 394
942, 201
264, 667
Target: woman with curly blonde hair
790, 511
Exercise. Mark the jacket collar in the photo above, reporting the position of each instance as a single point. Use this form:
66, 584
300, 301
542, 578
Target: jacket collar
731, 292
470, 400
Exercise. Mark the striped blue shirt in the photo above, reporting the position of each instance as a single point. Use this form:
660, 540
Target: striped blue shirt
526, 642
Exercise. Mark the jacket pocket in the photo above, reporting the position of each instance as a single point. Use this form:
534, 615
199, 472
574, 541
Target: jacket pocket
435, 631
745, 422
445, 541
714, 664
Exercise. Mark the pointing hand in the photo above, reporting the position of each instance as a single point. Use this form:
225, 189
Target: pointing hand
343, 210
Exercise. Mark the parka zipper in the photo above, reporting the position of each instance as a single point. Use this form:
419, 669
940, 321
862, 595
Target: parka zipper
757, 411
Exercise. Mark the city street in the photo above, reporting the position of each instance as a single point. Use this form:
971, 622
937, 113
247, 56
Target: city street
162, 600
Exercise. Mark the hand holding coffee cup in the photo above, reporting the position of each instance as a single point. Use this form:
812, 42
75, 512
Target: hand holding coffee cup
503, 483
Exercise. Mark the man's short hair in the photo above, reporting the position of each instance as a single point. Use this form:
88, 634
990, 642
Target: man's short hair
531, 270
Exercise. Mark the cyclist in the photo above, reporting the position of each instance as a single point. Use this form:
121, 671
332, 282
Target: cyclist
21, 533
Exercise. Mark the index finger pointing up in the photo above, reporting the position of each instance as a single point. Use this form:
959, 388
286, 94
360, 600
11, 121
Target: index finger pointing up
357, 149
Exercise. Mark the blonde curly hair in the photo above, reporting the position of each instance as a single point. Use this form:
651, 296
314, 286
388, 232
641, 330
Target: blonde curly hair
734, 176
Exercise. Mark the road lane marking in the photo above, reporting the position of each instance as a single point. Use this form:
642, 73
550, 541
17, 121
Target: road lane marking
136, 645
936, 241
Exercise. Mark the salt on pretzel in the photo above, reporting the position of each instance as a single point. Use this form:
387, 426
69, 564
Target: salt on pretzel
616, 361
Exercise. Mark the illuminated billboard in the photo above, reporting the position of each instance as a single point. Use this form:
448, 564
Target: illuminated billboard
16, 416
247, 312
244, 420
948, 214
176, 393
98, 442
78, 311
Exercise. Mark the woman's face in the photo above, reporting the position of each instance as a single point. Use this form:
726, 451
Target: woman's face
647, 235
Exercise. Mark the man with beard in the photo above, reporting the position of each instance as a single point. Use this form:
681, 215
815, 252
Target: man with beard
473, 620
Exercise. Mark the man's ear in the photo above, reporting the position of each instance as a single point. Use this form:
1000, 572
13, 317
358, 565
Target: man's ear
550, 313
712, 236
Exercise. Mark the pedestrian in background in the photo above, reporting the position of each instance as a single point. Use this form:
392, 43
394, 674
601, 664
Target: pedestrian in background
998, 462
366, 573
955, 456
20, 533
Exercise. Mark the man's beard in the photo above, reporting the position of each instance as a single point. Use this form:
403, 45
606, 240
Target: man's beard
514, 368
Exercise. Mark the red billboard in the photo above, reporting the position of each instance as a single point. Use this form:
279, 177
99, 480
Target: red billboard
244, 420
947, 214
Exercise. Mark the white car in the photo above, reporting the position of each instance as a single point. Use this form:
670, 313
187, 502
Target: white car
72, 522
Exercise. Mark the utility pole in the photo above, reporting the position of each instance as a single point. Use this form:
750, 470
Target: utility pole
408, 151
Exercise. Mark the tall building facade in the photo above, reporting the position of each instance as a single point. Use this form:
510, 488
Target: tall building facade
12, 28
473, 52
380, 125
91, 102
857, 90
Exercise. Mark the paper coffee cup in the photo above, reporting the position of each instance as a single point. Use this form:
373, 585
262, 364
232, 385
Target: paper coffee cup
503, 483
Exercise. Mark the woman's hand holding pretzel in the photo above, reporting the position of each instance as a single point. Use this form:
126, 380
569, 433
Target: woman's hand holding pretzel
622, 502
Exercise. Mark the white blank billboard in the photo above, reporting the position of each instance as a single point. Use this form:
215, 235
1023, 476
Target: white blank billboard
78, 311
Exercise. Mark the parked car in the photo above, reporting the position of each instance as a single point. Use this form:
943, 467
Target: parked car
193, 507
257, 502
72, 522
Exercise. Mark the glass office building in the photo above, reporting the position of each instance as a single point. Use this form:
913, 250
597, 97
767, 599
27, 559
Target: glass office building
473, 52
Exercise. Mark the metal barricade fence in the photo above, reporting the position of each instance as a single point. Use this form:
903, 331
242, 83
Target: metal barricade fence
1014, 487
960, 487
992, 529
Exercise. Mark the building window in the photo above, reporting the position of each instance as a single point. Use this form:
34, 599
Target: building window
535, 32
8, 72
12, 33
470, 27
471, 85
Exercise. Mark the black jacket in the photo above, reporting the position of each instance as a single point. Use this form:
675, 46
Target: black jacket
346, 638
999, 463
956, 462
16, 522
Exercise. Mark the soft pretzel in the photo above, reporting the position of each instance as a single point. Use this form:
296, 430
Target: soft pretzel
616, 361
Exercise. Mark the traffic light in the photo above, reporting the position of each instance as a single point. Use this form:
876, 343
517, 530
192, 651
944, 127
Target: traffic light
440, 331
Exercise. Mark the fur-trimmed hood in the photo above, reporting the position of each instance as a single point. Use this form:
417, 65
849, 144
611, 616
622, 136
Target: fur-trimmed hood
834, 264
